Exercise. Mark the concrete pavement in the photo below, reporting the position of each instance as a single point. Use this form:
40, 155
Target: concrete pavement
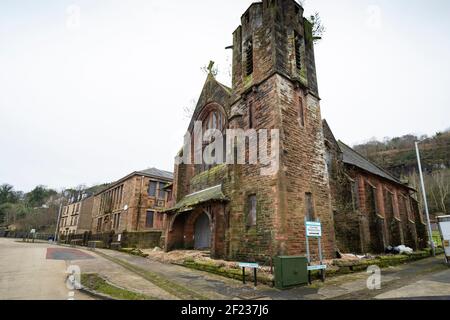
37, 271
431, 275
26, 273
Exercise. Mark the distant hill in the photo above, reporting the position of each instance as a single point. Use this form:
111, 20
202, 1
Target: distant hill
398, 155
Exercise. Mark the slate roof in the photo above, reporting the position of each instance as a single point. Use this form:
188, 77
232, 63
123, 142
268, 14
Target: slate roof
157, 173
353, 158
151, 172
190, 201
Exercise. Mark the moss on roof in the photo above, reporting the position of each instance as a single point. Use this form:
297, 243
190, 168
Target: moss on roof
196, 198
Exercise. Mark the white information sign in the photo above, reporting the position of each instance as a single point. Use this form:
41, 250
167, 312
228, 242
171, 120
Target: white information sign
313, 229
444, 227
320, 267
249, 265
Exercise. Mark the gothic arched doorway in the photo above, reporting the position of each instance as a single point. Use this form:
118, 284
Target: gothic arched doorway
202, 239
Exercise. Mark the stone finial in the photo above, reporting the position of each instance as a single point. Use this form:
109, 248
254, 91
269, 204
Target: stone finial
211, 66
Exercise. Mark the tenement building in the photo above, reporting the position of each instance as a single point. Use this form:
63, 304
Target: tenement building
132, 203
269, 125
76, 216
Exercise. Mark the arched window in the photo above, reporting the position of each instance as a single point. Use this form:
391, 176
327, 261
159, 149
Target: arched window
213, 120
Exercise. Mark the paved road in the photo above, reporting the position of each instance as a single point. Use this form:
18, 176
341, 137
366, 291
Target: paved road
26, 273
427, 279
424, 279
37, 271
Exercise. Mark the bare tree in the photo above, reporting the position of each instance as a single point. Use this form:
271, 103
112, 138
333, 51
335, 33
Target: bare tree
318, 29
440, 189
211, 68
189, 109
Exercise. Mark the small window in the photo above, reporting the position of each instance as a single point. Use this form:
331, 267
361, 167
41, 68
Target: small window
355, 195
328, 160
301, 112
409, 208
152, 189
251, 116
220, 121
310, 214
99, 224
298, 51
162, 192
375, 198
149, 219
251, 215
214, 120
249, 57
247, 17
118, 221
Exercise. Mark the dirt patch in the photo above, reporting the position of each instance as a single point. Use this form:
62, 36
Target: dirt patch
201, 260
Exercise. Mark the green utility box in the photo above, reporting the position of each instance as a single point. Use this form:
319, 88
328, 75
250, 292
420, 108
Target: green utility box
290, 271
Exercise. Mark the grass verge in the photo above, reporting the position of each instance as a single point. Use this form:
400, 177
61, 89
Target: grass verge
437, 238
163, 283
96, 283
134, 252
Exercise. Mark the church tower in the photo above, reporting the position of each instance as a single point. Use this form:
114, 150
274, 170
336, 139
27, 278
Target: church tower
274, 37
274, 86
256, 211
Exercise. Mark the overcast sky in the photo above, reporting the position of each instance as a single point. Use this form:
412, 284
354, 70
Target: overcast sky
93, 90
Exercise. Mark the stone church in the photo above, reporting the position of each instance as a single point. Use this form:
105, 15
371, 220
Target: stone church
237, 212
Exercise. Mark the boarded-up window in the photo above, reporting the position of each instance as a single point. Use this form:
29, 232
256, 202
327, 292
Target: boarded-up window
328, 160
388, 204
251, 214
375, 200
149, 219
251, 116
152, 189
403, 206
301, 112
309, 206
371, 199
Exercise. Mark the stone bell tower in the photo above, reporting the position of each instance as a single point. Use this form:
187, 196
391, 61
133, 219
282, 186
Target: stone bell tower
274, 86
274, 37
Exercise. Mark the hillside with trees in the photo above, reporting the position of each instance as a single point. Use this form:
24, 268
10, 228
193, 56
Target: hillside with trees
37, 209
398, 155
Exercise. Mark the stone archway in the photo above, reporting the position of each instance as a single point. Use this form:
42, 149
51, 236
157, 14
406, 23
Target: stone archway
202, 232
175, 233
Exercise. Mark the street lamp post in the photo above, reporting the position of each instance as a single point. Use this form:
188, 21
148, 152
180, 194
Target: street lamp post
57, 222
425, 202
